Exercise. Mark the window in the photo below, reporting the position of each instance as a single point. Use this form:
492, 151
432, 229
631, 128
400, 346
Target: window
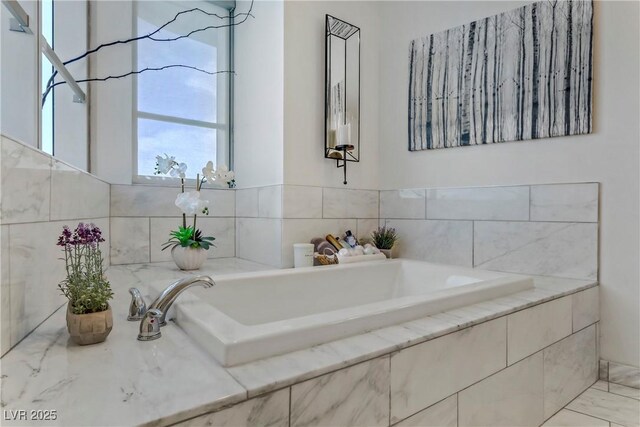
47, 118
181, 110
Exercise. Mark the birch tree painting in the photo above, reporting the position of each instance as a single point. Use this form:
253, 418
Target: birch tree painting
523, 74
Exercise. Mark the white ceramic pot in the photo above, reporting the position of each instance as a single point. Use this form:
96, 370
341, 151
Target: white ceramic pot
188, 258
389, 253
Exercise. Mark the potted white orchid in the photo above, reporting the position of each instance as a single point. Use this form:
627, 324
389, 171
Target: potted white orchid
188, 246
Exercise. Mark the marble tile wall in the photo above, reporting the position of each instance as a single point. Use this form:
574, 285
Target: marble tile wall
149, 213
269, 220
549, 230
617, 373
462, 378
39, 195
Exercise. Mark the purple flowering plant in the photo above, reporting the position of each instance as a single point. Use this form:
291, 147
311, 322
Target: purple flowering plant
85, 286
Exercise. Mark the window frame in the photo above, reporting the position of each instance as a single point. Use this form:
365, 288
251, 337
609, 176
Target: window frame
227, 152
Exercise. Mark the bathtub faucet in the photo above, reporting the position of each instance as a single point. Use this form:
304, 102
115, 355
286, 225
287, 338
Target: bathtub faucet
152, 319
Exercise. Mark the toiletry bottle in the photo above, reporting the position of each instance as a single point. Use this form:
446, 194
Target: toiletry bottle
350, 239
336, 244
344, 243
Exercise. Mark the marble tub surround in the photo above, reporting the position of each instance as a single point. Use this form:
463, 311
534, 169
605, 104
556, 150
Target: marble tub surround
38, 198
139, 383
280, 371
143, 215
140, 200
278, 389
549, 230
270, 219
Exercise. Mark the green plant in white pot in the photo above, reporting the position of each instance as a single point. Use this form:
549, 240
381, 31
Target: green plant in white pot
188, 245
385, 239
89, 318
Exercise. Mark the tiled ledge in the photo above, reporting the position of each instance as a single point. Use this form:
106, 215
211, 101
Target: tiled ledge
133, 372
281, 371
547, 229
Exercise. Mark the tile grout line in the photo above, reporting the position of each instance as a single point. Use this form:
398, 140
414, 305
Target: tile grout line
582, 413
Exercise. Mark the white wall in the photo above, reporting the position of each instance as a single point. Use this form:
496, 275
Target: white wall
71, 140
609, 155
259, 90
304, 162
111, 104
19, 77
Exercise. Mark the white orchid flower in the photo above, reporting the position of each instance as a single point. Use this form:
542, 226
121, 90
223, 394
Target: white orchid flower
165, 164
179, 170
227, 176
190, 203
208, 172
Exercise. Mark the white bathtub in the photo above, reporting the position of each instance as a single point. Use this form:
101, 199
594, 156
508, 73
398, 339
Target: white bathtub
251, 316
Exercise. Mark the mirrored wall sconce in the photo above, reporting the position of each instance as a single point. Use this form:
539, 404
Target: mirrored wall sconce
342, 93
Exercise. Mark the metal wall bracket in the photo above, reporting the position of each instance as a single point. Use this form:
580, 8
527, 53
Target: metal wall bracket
79, 95
20, 20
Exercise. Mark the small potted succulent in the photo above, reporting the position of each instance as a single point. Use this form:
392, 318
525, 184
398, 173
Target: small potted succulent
188, 245
384, 239
89, 318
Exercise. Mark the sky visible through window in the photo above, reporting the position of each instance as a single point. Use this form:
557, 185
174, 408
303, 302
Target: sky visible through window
46, 129
180, 93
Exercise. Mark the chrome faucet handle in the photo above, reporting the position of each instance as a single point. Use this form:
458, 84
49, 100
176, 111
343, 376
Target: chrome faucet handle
138, 307
150, 325
169, 295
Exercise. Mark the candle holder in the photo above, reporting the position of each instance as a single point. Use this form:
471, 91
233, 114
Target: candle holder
342, 88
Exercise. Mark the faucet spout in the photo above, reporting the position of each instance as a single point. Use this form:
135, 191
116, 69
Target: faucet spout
169, 295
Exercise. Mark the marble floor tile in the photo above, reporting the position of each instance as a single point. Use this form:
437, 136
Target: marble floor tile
612, 407
623, 390
355, 396
601, 385
567, 418
442, 414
